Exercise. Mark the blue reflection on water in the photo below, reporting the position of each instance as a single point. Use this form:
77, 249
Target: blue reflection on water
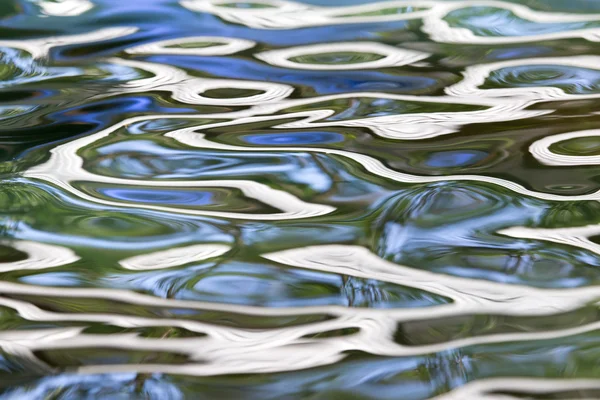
323, 82
160, 196
298, 138
455, 158
447, 228
488, 20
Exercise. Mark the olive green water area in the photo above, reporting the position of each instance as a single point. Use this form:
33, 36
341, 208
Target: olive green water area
267, 199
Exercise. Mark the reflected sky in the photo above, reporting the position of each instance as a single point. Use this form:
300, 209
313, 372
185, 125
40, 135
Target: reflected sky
278, 199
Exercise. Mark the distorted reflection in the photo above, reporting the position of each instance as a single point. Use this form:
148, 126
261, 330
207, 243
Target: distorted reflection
277, 199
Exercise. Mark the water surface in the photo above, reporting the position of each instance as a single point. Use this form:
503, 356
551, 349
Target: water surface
299, 200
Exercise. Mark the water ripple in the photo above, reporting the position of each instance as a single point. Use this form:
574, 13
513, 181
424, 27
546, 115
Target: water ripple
341, 56
195, 46
203, 198
64, 8
190, 137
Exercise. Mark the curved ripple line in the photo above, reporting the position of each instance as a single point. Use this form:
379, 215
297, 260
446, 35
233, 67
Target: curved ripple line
267, 347
227, 46
410, 126
174, 257
469, 295
404, 126
54, 170
65, 8
39, 48
476, 75
440, 30
239, 350
65, 166
352, 13
190, 137
39, 256
540, 150
221, 356
289, 15
188, 89
135, 298
575, 236
480, 389
392, 56
275, 98
239, 337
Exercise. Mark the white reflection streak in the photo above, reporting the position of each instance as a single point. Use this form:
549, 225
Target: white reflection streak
174, 257
476, 75
469, 295
409, 126
39, 48
39, 256
190, 137
575, 236
66, 166
290, 15
188, 89
540, 149
440, 31
391, 56
223, 46
65, 8
481, 389
229, 350
223, 357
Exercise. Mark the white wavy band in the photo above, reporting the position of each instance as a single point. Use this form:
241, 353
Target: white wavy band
39, 48
174, 257
191, 137
66, 166
540, 149
227, 350
218, 46
476, 75
391, 56
39, 256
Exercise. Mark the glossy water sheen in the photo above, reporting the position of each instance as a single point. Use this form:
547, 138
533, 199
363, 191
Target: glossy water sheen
278, 200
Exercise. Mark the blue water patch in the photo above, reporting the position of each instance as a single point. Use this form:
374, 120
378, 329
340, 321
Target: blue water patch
455, 158
294, 138
160, 196
323, 82
53, 279
575, 80
490, 21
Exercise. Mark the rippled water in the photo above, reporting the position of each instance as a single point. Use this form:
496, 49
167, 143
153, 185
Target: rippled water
270, 199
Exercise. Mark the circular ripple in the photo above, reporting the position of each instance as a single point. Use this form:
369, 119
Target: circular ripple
542, 152
338, 56
195, 45
500, 22
571, 79
584, 146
